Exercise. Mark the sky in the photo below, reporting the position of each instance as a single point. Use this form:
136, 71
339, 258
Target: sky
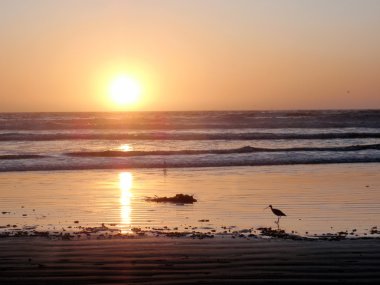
190, 55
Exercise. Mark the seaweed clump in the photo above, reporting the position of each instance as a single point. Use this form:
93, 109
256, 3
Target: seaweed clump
177, 199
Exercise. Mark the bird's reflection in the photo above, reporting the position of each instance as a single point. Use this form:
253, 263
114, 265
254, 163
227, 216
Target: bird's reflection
125, 184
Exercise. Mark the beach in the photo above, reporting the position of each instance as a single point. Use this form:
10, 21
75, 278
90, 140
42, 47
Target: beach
79, 192
95, 227
189, 261
317, 199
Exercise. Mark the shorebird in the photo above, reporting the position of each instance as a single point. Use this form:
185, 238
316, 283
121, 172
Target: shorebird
277, 212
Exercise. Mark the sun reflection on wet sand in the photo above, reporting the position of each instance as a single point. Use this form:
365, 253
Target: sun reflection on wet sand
125, 184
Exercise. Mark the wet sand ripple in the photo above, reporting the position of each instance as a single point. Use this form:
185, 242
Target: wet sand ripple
161, 260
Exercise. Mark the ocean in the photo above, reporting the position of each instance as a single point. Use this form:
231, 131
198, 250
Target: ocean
73, 141
76, 172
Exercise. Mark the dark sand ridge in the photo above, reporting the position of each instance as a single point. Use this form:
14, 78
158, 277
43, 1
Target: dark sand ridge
159, 260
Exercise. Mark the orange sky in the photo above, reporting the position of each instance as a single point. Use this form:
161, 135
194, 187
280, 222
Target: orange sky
190, 55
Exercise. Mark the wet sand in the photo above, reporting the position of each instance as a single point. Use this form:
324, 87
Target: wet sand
317, 199
160, 260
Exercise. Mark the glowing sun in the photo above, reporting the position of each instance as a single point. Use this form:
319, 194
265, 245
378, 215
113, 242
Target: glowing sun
124, 90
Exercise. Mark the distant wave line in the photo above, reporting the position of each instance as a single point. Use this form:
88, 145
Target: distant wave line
241, 150
192, 164
245, 149
187, 136
21, 156
191, 120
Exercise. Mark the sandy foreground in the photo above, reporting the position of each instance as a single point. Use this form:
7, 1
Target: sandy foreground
161, 260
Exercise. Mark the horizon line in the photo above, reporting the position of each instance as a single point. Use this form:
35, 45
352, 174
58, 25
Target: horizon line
205, 110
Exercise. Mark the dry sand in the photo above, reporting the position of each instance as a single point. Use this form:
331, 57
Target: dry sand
159, 260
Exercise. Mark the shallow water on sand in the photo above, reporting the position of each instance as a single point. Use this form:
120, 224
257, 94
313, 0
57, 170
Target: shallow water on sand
316, 198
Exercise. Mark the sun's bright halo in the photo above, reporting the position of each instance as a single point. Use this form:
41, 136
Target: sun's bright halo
124, 90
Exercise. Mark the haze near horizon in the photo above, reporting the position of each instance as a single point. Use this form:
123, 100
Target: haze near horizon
189, 55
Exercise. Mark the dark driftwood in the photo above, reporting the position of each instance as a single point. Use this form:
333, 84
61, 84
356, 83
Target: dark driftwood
178, 199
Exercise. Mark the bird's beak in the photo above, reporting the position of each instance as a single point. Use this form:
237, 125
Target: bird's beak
266, 208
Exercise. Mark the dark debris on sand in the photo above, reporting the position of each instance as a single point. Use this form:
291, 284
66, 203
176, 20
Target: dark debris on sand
105, 232
177, 199
342, 235
278, 233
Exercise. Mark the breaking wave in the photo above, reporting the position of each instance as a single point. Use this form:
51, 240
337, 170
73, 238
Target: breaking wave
246, 149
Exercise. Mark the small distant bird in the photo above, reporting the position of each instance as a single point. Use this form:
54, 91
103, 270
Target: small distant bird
277, 212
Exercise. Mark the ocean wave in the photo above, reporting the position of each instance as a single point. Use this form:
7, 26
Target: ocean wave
186, 136
245, 156
190, 120
20, 156
245, 149
180, 162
